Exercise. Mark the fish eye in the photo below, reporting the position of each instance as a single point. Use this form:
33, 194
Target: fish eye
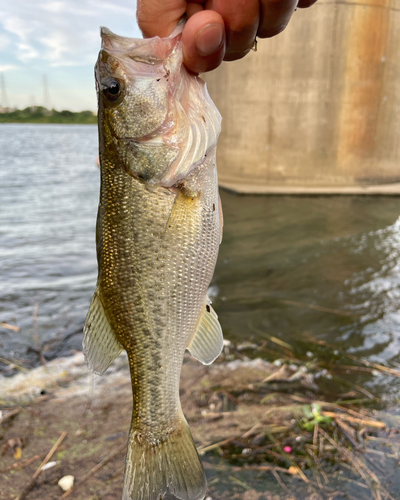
112, 89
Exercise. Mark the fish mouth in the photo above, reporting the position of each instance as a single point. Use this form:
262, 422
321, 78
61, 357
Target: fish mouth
149, 51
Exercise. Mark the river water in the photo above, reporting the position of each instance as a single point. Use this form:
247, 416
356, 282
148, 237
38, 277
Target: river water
289, 267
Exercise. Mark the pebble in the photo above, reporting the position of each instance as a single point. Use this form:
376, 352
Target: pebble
66, 483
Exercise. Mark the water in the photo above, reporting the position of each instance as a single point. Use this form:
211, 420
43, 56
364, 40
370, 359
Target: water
281, 257
49, 191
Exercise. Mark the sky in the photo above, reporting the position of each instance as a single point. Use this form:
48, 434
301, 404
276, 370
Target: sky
57, 41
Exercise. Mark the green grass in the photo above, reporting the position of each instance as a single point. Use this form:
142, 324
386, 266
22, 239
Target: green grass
39, 114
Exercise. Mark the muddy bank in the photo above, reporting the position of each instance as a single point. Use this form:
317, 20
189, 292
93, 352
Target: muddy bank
264, 431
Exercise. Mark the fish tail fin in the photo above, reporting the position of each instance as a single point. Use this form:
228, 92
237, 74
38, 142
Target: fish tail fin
171, 467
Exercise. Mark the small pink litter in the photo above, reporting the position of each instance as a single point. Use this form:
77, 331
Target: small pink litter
287, 449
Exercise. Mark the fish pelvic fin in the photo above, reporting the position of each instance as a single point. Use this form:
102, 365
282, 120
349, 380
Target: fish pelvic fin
207, 342
171, 467
100, 345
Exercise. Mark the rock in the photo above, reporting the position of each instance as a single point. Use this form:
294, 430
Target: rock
66, 483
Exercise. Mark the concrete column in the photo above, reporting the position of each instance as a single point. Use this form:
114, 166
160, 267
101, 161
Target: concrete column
317, 108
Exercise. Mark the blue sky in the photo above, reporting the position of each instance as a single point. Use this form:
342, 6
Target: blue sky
59, 39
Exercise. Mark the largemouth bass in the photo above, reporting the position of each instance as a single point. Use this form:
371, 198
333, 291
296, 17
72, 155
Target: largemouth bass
159, 227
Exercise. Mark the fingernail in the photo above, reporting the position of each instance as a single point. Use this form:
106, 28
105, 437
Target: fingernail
209, 39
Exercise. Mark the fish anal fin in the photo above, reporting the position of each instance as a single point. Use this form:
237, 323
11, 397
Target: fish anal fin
207, 342
100, 345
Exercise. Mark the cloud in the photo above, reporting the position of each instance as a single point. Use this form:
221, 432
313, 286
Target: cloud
54, 6
7, 67
18, 26
60, 32
65, 7
59, 38
111, 6
4, 42
26, 52
57, 43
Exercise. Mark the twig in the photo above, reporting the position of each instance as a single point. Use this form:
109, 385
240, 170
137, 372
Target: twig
348, 432
367, 393
32, 481
354, 368
392, 371
266, 468
251, 431
372, 368
301, 474
14, 328
279, 342
95, 469
202, 449
103, 462
261, 449
373, 463
36, 334
324, 476
318, 308
21, 464
315, 436
358, 483
325, 404
13, 364
362, 421
240, 483
279, 480
367, 475
10, 414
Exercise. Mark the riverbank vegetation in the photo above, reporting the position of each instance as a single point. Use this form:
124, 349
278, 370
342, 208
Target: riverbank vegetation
39, 114
294, 428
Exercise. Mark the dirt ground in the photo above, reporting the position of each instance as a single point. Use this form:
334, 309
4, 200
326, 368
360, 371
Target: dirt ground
38, 407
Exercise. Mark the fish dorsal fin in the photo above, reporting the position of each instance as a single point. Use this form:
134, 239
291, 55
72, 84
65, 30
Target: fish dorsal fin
100, 345
207, 342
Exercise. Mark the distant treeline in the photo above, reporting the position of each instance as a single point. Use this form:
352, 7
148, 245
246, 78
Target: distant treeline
39, 114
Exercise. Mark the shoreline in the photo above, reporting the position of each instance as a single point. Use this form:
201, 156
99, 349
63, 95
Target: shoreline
243, 414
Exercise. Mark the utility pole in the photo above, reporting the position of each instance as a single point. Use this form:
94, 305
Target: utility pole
46, 94
4, 103
33, 105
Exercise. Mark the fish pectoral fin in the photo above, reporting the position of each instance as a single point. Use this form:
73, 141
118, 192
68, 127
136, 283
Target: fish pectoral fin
181, 212
100, 345
207, 342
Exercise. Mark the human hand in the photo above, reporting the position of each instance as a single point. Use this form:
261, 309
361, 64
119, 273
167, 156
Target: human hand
216, 30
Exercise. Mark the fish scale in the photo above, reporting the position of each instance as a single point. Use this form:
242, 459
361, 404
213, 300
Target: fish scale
158, 231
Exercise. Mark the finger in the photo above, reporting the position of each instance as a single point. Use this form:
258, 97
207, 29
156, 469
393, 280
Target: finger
192, 9
203, 40
275, 15
303, 4
159, 17
241, 18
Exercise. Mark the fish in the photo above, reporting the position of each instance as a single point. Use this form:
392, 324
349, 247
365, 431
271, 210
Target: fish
158, 231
